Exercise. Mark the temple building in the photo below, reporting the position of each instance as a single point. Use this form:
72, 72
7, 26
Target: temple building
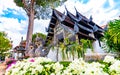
74, 27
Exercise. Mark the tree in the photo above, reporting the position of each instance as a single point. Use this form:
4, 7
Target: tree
112, 35
5, 44
34, 36
36, 9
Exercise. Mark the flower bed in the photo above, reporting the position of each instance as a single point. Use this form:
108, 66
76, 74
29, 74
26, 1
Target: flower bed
45, 66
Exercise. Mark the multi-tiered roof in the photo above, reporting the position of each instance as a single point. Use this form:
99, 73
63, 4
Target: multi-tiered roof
78, 23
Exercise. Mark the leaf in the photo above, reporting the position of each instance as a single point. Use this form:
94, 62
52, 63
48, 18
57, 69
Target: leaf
113, 35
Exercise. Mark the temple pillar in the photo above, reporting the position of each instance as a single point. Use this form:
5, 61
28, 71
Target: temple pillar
64, 35
77, 38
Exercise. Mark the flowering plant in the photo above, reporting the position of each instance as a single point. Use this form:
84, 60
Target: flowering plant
27, 66
114, 69
45, 66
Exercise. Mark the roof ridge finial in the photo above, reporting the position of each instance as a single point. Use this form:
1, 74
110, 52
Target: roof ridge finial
21, 38
66, 8
75, 9
90, 18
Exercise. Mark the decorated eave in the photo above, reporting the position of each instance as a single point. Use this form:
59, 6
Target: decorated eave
78, 23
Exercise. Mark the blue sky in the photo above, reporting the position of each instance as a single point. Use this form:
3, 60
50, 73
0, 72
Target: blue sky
14, 21
9, 13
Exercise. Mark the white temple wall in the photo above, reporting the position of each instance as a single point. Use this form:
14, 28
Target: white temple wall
96, 47
53, 53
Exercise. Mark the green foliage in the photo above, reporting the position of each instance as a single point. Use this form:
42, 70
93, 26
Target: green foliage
65, 63
86, 44
43, 36
106, 67
52, 3
42, 8
19, 3
4, 44
43, 3
113, 35
75, 48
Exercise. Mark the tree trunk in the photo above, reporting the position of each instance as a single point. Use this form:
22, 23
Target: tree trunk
30, 25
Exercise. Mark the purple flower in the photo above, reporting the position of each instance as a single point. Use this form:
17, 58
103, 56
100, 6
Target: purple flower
13, 62
32, 60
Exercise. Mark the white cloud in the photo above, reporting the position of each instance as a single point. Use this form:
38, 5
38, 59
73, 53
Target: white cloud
11, 24
8, 4
95, 8
13, 28
39, 25
15, 37
111, 2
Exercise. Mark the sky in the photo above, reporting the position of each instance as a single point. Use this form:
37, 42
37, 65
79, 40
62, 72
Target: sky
14, 21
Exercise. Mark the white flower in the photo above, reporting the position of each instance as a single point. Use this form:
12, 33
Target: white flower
115, 68
42, 59
57, 66
109, 59
52, 74
94, 68
39, 68
76, 67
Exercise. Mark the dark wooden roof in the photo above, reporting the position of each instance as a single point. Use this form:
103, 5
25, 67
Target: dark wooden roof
78, 23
